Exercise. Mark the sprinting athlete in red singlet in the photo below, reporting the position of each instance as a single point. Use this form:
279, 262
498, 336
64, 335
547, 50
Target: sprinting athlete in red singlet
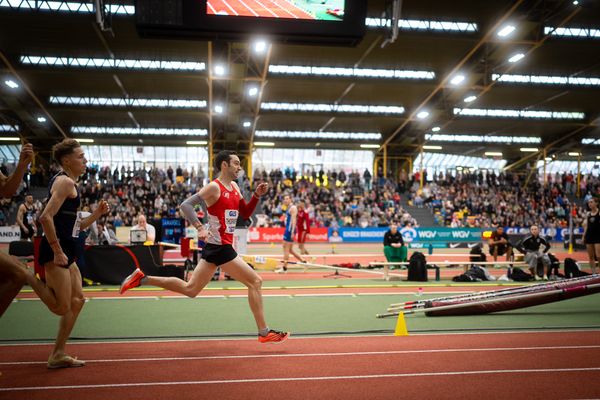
224, 204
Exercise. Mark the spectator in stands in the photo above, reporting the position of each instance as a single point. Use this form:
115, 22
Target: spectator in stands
143, 225
500, 245
530, 246
591, 235
103, 234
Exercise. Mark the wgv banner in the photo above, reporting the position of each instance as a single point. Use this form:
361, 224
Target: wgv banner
415, 237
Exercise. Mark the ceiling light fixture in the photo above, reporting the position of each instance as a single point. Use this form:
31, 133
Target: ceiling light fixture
457, 80
11, 84
516, 57
264, 144
423, 114
469, 99
507, 30
196, 142
219, 70
260, 46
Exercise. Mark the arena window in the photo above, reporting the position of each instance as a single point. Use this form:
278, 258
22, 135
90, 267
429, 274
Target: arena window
319, 135
424, 25
110, 63
65, 6
99, 130
157, 156
333, 108
572, 32
500, 113
121, 102
432, 162
312, 159
548, 80
9, 128
477, 138
350, 72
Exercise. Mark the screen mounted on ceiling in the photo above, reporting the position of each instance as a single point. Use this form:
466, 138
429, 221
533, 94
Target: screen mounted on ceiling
331, 22
321, 10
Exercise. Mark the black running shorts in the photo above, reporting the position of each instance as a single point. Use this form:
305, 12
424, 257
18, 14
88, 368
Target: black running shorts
69, 247
218, 254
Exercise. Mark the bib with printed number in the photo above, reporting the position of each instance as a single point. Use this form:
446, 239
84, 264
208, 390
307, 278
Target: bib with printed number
77, 225
231, 217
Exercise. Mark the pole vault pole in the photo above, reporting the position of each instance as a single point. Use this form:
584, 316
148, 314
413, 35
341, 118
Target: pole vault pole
490, 293
488, 301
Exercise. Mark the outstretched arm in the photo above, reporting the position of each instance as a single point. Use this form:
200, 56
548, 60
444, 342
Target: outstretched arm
102, 209
246, 209
8, 186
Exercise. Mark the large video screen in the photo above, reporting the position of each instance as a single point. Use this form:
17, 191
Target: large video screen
332, 22
322, 10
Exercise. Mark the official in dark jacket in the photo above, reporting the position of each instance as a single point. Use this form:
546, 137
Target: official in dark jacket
530, 246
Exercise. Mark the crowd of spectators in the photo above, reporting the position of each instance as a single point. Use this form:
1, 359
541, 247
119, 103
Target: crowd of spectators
339, 199
479, 199
333, 199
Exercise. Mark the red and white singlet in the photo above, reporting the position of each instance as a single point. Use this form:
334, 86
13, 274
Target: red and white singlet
223, 215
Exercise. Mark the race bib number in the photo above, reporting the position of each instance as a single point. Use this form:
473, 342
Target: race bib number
231, 217
77, 225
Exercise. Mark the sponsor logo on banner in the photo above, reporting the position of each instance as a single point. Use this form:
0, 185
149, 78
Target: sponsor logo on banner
276, 235
9, 234
408, 234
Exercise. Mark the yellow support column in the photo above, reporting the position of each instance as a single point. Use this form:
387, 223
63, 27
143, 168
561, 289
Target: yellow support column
421, 170
250, 167
210, 161
385, 162
578, 173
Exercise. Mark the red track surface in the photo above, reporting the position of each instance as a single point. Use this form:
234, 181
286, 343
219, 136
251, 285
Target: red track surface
541, 365
257, 8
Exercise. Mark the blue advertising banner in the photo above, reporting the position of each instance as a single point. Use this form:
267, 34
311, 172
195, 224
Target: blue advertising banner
558, 234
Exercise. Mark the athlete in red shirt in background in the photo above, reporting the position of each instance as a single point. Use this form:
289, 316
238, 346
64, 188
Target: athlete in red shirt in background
303, 226
224, 203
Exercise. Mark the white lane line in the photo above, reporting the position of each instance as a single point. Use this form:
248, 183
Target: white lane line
213, 11
296, 379
249, 8
267, 9
228, 6
312, 337
311, 355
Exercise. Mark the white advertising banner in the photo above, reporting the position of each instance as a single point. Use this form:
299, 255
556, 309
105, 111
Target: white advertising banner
9, 233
